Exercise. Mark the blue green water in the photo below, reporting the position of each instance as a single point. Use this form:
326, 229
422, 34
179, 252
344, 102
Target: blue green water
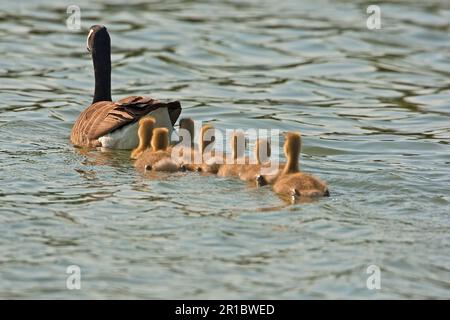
373, 107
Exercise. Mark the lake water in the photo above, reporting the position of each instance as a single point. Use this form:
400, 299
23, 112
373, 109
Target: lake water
373, 107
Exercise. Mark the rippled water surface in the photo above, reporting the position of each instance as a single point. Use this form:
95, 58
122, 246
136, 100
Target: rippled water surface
373, 108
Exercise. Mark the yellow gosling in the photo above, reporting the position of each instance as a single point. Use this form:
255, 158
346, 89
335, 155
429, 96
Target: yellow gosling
291, 182
238, 155
185, 151
252, 172
158, 158
211, 159
204, 157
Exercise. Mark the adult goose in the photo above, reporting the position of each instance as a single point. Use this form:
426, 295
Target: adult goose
111, 124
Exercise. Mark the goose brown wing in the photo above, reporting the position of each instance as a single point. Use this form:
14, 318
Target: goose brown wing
104, 117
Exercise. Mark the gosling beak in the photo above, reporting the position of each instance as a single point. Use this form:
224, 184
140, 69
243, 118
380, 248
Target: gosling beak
294, 195
260, 181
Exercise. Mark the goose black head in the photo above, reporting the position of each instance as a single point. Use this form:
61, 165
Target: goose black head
99, 45
98, 37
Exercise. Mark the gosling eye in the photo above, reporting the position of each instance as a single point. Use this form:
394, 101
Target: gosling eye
148, 167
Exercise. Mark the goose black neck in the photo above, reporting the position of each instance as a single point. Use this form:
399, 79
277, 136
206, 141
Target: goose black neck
101, 56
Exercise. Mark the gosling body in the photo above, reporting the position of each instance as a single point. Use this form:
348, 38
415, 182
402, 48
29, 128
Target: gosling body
293, 183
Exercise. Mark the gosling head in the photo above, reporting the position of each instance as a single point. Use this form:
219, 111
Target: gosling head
292, 147
145, 130
146, 126
207, 137
262, 151
160, 139
293, 143
238, 144
188, 125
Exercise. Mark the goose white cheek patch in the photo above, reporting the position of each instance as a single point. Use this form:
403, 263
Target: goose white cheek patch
88, 37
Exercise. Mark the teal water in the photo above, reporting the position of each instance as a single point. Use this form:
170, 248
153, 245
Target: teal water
373, 107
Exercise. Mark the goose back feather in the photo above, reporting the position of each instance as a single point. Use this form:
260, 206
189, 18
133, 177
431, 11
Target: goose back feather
105, 117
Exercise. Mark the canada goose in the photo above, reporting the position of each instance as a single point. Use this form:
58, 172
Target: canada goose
111, 124
158, 156
291, 182
238, 155
253, 172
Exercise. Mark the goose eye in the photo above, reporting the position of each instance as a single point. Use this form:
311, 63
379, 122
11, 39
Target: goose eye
88, 47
